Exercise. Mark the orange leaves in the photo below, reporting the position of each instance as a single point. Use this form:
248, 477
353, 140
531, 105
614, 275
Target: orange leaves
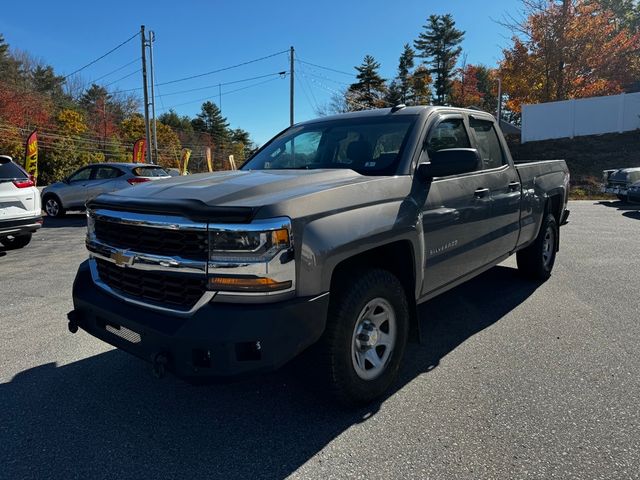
464, 89
570, 49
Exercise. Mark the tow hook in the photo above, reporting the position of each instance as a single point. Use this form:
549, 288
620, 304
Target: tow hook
159, 365
72, 316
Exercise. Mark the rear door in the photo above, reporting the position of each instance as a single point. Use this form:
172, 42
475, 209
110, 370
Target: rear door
17, 195
455, 211
105, 179
503, 182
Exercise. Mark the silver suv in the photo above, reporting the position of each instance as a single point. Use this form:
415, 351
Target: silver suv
88, 182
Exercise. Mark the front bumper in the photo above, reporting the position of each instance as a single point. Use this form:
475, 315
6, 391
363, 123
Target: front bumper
633, 196
218, 340
21, 226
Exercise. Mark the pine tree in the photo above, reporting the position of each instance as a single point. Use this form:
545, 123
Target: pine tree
399, 90
10, 68
211, 121
405, 66
370, 89
439, 47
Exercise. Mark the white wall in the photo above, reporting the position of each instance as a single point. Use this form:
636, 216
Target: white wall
586, 116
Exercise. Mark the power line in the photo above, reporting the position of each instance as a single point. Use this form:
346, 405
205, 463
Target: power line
183, 79
102, 56
116, 70
223, 93
328, 68
224, 84
122, 78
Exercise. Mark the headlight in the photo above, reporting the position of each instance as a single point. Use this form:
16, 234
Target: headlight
256, 246
251, 258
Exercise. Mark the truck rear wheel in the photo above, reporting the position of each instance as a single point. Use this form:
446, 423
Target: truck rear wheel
366, 335
537, 260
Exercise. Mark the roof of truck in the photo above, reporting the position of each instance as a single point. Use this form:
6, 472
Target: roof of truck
395, 111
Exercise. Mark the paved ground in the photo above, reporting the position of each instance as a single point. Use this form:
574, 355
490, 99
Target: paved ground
515, 380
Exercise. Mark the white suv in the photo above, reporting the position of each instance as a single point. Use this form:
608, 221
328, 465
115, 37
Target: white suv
20, 208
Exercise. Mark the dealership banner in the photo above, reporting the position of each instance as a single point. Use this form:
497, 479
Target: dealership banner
184, 161
207, 154
139, 151
31, 160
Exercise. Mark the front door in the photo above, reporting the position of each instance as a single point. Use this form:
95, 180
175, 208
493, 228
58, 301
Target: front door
454, 213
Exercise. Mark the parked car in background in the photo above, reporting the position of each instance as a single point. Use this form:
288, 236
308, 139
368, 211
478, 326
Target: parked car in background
617, 182
20, 209
633, 194
74, 191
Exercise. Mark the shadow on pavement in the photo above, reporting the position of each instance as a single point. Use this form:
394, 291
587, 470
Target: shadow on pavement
69, 220
623, 206
105, 416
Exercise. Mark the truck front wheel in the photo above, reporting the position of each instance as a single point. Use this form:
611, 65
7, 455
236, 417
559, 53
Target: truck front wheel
537, 260
366, 335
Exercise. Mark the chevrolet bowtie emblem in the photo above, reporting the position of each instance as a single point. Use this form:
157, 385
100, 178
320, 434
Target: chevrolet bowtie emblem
122, 259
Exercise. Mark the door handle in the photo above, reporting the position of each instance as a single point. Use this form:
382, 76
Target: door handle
481, 192
513, 186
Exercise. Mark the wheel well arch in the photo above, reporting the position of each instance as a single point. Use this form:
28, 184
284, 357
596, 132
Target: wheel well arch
554, 206
398, 258
50, 195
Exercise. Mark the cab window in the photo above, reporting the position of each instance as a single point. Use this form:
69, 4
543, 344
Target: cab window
488, 143
447, 134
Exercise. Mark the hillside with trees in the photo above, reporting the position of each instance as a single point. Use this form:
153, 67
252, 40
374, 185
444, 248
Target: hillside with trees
79, 124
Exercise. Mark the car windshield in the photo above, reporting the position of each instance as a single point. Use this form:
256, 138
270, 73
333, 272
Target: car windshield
368, 146
150, 172
9, 170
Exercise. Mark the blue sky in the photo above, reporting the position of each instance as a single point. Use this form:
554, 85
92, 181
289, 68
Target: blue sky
193, 37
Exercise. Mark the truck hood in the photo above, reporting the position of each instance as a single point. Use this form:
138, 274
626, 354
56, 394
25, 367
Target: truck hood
265, 190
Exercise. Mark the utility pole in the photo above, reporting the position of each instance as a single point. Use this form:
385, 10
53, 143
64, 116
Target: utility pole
146, 93
220, 97
152, 38
291, 121
499, 113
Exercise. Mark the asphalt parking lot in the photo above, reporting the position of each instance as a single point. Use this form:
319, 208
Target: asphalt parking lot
513, 380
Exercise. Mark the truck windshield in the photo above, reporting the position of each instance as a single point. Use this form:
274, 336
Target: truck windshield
368, 146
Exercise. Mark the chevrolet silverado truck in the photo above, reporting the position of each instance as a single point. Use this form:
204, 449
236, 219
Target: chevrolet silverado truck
328, 237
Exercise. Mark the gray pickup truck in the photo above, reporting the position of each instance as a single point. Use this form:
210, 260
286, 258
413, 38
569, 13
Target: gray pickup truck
328, 237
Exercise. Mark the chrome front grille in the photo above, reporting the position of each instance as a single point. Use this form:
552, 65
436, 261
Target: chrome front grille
188, 244
157, 261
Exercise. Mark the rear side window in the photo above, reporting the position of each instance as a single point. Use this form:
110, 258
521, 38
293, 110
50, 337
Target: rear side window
8, 169
448, 134
82, 174
149, 172
104, 173
488, 143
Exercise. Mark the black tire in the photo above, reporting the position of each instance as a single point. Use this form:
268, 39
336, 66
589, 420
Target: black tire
19, 241
537, 260
337, 347
53, 206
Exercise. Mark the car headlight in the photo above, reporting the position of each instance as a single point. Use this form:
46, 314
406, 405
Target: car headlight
251, 258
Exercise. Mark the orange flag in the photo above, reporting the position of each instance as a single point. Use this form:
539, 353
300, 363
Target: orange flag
139, 151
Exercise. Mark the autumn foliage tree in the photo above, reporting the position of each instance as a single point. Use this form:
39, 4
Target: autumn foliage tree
568, 49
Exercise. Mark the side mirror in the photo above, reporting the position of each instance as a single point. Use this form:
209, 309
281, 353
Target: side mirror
451, 161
